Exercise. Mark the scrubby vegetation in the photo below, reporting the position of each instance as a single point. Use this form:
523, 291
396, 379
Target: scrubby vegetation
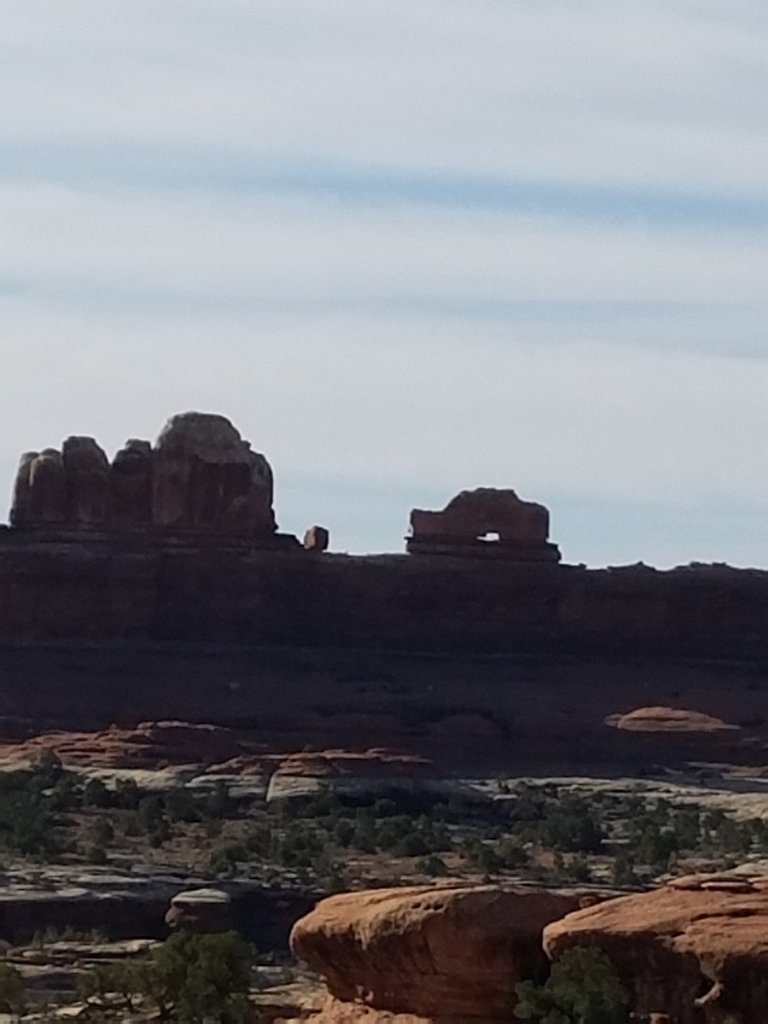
582, 988
539, 832
188, 978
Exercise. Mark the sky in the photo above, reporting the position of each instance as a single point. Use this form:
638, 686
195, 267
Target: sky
408, 248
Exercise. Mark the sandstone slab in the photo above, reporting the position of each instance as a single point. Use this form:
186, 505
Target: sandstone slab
429, 951
696, 950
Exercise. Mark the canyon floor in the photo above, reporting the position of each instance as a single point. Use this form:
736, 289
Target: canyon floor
100, 831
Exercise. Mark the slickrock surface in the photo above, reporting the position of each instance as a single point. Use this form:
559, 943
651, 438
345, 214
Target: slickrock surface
149, 745
430, 951
696, 949
367, 775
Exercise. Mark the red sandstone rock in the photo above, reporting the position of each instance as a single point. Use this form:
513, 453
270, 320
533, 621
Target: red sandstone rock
200, 910
22, 490
130, 484
661, 719
473, 518
207, 478
335, 1011
86, 471
148, 745
442, 951
40, 489
697, 953
201, 477
316, 539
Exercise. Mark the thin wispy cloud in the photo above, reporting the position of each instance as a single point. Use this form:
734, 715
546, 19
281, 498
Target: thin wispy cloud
408, 248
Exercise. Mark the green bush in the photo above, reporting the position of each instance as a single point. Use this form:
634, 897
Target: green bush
11, 990
582, 988
192, 979
205, 977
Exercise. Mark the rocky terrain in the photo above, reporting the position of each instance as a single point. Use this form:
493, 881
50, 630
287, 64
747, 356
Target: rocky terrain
470, 759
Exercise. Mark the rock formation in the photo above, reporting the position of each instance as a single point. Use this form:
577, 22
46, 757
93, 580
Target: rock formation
432, 951
39, 494
86, 475
316, 539
205, 477
130, 485
200, 910
675, 720
486, 522
200, 477
696, 949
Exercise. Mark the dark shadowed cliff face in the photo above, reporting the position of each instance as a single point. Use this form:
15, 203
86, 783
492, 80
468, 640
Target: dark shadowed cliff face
468, 655
112, 586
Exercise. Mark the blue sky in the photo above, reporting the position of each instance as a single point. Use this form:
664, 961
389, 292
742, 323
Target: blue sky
407, 248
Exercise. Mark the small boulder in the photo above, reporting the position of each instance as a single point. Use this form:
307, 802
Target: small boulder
200, 910
316, 539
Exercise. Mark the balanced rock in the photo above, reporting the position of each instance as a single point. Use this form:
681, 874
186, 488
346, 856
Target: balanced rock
431, 951
697, 951
316, 539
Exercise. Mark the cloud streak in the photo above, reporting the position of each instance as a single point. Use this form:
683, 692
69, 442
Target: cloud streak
408, 248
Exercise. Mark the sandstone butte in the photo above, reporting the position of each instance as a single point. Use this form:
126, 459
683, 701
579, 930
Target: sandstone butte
427, 952
696, 949
156, 585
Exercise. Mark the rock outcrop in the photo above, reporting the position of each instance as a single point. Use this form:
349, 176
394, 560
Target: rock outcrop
201, 477
435, 952
200, 910
486, 522
86, 474
316, 539
130, 485
696, 949
205, 477
365, 776
675, 720
40, 493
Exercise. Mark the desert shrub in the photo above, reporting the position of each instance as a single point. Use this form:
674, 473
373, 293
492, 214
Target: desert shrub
484, 857
433, 865
11, 989
572, 827
512, 854
117, 984
204, 977
582, 988
624, 870
180, 805
193, 979
217, 804
103, 832
97, 854
26, 822
412, 844
48, 768
96, 794
127, 795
